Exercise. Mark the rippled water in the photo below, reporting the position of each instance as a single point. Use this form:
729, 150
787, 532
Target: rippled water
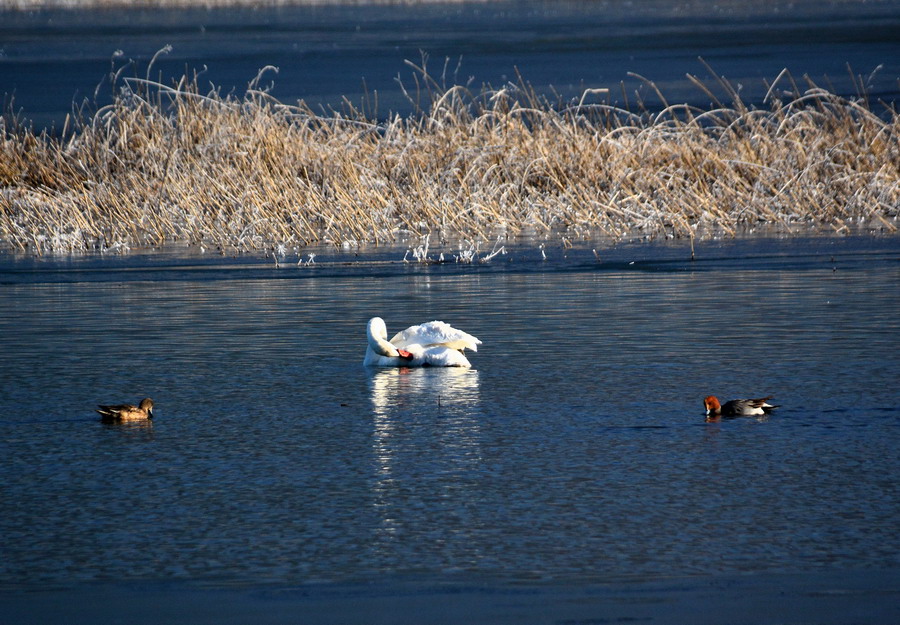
575, 449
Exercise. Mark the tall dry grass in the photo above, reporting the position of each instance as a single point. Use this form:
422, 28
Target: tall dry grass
165, 164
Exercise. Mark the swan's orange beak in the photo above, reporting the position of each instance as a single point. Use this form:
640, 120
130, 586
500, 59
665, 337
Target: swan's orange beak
405, 354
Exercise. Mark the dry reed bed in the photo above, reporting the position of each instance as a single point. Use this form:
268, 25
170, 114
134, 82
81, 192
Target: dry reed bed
169, 163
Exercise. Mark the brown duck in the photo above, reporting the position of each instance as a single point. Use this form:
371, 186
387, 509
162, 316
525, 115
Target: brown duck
127, 412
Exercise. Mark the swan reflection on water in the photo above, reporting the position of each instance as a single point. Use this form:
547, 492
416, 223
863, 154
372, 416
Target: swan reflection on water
427, 389
422, 417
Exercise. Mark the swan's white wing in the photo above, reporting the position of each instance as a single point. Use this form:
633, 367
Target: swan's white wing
435, 333
441, 356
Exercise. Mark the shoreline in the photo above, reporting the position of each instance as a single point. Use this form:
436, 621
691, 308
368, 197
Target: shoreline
803, 252
88, 5
138, 5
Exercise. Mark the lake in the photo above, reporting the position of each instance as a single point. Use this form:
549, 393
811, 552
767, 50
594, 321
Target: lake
52, 59
569, 475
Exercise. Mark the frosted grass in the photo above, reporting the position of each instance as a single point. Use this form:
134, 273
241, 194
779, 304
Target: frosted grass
172, 163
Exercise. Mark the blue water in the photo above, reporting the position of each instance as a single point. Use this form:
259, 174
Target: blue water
574, 451
52, 61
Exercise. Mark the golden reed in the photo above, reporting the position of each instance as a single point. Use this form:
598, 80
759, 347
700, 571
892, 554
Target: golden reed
169, 163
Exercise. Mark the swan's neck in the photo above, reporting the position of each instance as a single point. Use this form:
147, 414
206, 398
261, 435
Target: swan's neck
376, 332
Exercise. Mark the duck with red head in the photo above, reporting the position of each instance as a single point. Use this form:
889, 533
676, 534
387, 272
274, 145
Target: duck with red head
737, 407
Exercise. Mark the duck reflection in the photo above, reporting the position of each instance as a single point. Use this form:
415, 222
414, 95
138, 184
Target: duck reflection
426, 440
722, 419
142, 430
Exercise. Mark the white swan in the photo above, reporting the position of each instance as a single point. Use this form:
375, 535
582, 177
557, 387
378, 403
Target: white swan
434, 344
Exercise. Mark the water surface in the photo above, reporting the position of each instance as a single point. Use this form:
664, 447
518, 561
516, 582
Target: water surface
574, 451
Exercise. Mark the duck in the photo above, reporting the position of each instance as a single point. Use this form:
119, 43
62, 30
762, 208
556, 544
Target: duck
432, 344
738, 407
127, 412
